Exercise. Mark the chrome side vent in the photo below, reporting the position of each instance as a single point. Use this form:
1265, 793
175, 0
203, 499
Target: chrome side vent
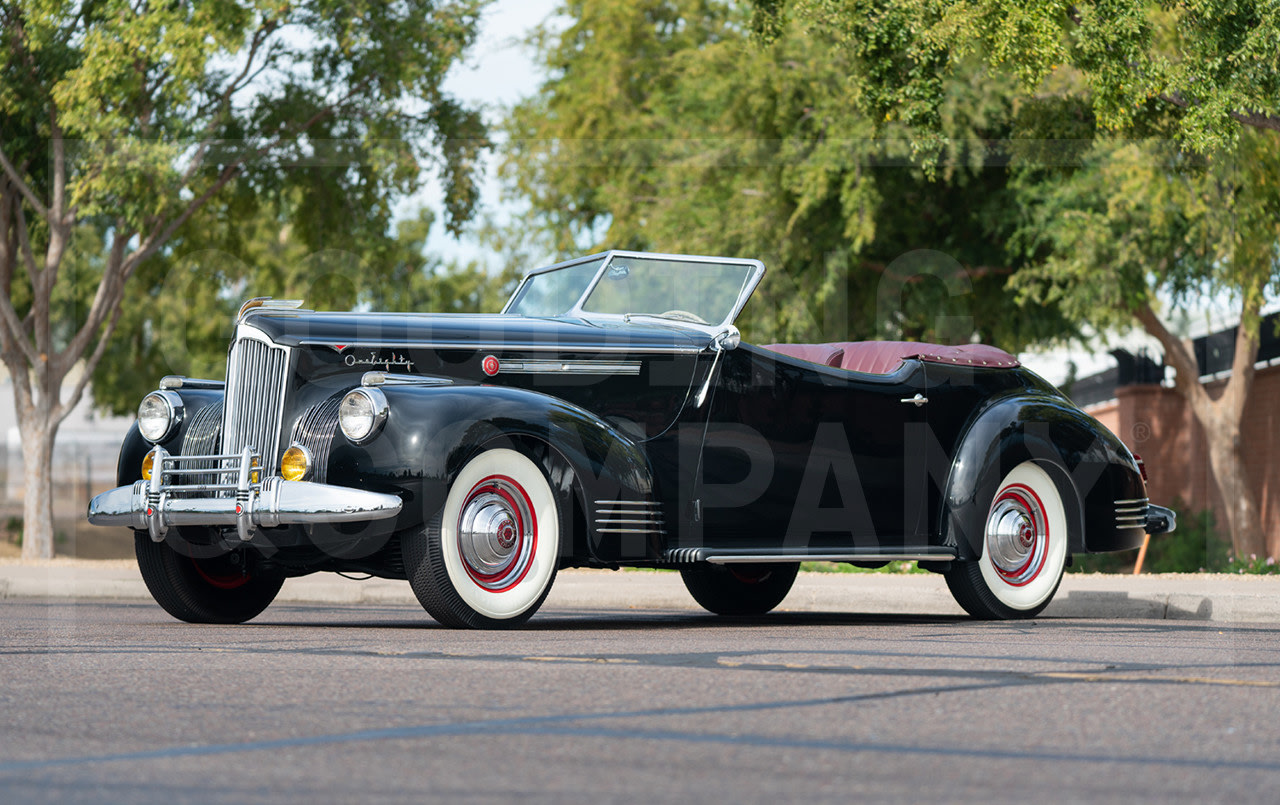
315, 430
255, 399
628, 517
1131, 513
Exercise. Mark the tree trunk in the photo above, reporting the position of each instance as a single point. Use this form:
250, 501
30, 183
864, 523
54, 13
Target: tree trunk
1221, 419
37, 502
1231, 477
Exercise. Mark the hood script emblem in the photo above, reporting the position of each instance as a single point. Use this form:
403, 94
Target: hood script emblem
374, 360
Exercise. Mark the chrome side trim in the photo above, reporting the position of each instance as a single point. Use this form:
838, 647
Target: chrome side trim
721, 556
389, 379
585, 367
587, 349
832, 557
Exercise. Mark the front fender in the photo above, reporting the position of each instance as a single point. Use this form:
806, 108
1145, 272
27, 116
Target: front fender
1090, 466
431, 432
134, 447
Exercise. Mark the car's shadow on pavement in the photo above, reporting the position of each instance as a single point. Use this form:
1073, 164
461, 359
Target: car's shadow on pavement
589, 620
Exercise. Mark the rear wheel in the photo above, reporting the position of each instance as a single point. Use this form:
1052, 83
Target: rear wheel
231, 588
489, 558
740, 589
1024, 550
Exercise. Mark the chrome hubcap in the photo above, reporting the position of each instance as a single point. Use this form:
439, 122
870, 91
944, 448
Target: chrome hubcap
496, 533
1017, 535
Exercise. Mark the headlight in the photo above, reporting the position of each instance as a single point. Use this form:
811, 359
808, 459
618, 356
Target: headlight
362, 413
159, 415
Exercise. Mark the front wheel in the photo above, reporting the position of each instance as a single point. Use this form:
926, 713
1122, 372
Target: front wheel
740, 589
231, 588
488, 559
1024, 550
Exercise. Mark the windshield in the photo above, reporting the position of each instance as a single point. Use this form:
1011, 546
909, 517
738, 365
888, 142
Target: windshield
699, 290
554, 293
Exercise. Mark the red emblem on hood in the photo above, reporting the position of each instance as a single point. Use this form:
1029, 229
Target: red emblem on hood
490, 365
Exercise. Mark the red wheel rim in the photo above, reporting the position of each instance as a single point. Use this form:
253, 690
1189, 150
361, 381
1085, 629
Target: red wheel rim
497, 533
229, 580
1017, 535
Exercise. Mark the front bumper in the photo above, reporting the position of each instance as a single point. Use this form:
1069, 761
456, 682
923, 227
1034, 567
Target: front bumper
159, 504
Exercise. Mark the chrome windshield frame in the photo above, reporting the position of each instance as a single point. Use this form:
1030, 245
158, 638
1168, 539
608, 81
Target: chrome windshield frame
577, 311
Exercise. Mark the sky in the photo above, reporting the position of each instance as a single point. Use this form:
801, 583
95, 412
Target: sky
499, 71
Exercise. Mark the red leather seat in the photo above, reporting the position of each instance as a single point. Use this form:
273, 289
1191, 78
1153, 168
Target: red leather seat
825, 354
884, 357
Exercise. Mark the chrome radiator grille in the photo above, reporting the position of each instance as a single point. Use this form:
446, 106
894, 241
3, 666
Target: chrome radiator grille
256, 374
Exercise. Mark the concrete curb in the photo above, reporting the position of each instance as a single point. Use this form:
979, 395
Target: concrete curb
1202, 597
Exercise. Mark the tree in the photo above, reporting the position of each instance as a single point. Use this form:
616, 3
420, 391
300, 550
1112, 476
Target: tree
664, 126
1139, 226
1213, 62
122, 123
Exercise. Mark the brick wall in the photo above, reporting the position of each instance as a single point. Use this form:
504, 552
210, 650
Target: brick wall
1156, 424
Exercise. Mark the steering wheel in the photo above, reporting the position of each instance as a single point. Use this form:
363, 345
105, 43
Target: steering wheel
683, 315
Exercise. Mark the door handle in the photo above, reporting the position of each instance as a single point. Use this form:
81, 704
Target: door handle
917, 400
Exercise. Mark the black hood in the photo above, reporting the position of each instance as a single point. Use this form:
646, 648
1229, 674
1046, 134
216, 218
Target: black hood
463, 330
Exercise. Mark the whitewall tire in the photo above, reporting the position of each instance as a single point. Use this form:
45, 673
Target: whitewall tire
1024, 549
489, 558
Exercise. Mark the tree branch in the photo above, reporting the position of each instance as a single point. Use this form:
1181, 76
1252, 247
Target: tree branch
1236, 393
24, 242
65, 407
105, 300
8, 240
1177, 355
14, 330
1257, 120
22, 187
107, 296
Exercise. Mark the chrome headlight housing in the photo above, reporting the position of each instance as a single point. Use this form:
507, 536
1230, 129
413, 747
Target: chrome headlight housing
159, 415
362, 414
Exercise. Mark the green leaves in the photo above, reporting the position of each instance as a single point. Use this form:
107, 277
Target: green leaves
698, 138
170, 141
1209, 65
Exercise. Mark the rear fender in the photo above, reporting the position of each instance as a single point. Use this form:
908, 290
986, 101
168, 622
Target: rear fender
1091, 468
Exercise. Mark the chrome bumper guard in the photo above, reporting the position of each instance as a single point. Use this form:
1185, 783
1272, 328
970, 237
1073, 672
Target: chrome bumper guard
234, 497
1160, 520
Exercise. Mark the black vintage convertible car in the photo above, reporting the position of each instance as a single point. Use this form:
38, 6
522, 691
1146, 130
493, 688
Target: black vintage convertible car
609, 416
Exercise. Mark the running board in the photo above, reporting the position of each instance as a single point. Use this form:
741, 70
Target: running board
726, 556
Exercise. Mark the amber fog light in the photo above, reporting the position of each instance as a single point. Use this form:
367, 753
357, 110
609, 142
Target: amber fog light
295, 463
148, 464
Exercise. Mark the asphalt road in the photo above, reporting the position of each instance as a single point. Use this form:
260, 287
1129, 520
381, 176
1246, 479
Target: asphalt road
116, 702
